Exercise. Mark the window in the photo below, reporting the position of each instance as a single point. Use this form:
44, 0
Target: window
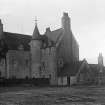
21, 47
26, 77
27, 62
14, 62
43, 65
50, 76
13, 77
60, 62
2, 62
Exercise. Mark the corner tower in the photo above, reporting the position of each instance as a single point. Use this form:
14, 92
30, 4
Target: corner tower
35, 53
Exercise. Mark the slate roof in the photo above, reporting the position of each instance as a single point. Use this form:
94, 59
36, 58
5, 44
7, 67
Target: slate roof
70, 69
36, 35
14, 40
54, 35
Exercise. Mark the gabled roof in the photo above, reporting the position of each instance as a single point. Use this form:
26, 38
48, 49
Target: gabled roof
14, 40
70, 69
54, 35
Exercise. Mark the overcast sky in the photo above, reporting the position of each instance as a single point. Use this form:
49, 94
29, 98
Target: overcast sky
87, 20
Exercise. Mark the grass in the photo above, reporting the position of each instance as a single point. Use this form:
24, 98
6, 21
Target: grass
52, 96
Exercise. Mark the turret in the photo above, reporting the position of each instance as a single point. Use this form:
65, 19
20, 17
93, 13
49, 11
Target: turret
36, 38
36, 52
36, 34
66, 22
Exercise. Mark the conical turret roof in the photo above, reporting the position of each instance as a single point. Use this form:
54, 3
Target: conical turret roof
36, 34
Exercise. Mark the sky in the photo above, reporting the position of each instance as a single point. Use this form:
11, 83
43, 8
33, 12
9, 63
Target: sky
87, 21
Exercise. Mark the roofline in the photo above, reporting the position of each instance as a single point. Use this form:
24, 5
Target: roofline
18, 34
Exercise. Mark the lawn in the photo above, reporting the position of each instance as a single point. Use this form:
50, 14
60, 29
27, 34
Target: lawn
52, 96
